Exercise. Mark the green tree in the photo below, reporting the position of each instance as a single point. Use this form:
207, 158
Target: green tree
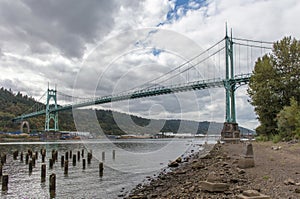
288, 120
275, 80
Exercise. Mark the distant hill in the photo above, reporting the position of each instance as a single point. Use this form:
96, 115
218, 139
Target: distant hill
14, 104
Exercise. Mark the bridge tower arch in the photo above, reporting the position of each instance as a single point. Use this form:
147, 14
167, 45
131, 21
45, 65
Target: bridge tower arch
51, 94
25, 123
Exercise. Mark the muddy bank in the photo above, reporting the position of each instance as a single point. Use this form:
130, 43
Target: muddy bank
276, 174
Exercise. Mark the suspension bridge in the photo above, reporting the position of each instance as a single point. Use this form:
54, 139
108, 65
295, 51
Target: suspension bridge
233, 59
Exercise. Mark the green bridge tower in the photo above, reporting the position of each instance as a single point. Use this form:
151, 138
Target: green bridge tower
51, 94
230, 129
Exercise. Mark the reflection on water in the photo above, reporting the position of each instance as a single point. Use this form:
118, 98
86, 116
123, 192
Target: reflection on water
135, 159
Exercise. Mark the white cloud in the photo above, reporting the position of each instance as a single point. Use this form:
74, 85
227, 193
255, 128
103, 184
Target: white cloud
48, 42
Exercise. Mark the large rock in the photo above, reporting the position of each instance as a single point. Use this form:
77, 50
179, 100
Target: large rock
289, 181
214, 187
179, 160
252, 194
213, 177
173, 164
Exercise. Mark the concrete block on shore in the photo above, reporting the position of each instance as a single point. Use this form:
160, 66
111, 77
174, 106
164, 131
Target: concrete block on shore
252, 194
249, 151
214, 187
246, 162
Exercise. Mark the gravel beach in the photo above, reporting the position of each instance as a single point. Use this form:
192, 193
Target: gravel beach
276, 174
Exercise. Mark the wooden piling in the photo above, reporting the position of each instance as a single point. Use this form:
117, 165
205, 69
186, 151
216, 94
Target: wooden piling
103, 155
56, 155
113, 154
83, 163
101, 169
82, 152
43, 158
66, 167
26, 158
29, 152
4, 182
15, 154
67, 155
43, 152
89, 158
62, 161
21, 157
50, 163
78, 156
36, 155
30, 166
74, 160
43, 173
33, 160
53, 155
52, 184
4, 158
1, 167
70, 154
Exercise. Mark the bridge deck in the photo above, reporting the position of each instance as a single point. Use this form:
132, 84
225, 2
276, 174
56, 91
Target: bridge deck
196, 85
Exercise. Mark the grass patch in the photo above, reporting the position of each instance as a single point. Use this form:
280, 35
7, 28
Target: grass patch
276, 138
266, 177
262, 138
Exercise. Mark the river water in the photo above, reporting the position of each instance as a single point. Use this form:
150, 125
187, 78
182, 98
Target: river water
134, 161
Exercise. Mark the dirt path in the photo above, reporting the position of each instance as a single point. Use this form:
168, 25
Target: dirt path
272, 169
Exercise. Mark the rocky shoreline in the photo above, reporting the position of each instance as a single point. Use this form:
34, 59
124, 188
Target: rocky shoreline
220, 168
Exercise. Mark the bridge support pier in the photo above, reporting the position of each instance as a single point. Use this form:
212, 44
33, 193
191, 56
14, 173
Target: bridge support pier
230, 132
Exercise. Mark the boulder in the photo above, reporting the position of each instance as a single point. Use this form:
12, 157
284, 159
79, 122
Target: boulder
276, 148
252, 194
289, 181
214, 187
173, 164
179, 160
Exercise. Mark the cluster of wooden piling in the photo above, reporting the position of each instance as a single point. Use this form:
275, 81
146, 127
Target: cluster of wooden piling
4, 176
31, 157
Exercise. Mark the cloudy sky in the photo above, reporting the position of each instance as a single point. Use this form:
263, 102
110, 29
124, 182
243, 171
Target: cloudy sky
96, 48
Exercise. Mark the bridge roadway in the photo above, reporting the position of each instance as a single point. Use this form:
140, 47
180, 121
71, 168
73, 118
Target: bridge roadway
162, 90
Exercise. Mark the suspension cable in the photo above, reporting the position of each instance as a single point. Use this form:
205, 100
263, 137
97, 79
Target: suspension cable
254, 41
36, 103
254, 46
178, 67
203, 60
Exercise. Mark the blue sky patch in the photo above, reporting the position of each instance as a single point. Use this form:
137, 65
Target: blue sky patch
156, 51
181, 8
